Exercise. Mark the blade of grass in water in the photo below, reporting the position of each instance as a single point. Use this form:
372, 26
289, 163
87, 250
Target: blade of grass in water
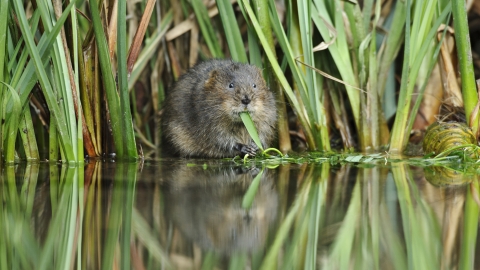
290, 220
146, 237
81, 204
470, 228
129, 184
62, 223
251, 191
342, 247
114, 220
247, 121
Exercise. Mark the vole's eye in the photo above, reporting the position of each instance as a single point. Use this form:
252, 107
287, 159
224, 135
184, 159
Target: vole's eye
230, 86
254, 86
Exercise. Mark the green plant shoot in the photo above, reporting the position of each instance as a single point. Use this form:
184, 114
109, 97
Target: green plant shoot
247, 121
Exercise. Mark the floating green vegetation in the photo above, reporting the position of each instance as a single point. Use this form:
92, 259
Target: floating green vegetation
463, 154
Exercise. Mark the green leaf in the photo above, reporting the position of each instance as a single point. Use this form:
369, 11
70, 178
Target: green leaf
206, 27
247, 121
354, 158
12, 122
113, 99
129, 136
251, 191
232, 31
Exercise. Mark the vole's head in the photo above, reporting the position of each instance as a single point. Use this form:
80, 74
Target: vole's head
238, 88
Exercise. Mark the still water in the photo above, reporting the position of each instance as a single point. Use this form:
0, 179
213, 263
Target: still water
199, 214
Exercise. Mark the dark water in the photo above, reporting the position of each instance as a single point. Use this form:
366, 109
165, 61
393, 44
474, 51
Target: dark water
194, 214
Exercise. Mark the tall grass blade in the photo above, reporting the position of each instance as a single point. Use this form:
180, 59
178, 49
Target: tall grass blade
414, 54
24, 78
279, 73
139, 34
131, 147
113, 100
263, 15
64, 134
464, 52
60, 73
207, 28
150, 49
392, 43
28, 135
232, 31
432, 64
339, 50
11, 122
4, 62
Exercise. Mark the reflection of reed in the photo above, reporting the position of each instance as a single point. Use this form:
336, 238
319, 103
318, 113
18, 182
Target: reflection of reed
451, 225
190, 216
443, 190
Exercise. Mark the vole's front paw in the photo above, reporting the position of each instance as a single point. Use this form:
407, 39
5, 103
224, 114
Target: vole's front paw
251, 150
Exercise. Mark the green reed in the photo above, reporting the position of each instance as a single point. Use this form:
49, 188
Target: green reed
462, 39
101, 86
418, 38
69, 83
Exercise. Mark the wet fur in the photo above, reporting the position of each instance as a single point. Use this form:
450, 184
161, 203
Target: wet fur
202, 114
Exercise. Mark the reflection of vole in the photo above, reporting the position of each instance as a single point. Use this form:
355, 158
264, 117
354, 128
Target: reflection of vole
202, 111
205, 205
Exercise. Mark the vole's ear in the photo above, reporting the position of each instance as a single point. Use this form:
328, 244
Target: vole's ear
259, 70
211, 79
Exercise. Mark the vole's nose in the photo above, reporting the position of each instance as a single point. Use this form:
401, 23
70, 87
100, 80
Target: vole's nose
245, 100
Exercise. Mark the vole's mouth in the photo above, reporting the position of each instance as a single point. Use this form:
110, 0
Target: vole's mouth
241, 109
236, 114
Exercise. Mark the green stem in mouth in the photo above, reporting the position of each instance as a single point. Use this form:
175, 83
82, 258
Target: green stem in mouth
250, 126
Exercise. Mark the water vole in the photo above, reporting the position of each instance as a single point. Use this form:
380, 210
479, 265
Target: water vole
202, 111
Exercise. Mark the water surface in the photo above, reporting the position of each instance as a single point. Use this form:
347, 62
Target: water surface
194, 214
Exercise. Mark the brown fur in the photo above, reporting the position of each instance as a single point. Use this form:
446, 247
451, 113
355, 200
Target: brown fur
202, 112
